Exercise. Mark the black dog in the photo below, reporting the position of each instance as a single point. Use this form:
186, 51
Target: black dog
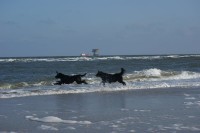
111, 77
66, 79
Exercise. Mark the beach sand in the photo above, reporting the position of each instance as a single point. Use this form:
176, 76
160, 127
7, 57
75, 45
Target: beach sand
174, 110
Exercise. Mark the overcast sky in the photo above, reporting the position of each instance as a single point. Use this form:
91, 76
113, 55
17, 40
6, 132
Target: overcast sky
116, 27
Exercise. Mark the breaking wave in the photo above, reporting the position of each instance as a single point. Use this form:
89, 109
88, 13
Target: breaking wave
144, 79
78, 58
155, 74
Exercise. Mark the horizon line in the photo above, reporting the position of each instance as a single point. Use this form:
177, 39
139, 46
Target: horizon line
39, 56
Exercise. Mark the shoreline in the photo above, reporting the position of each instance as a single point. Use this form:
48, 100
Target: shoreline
145, 110
101, 91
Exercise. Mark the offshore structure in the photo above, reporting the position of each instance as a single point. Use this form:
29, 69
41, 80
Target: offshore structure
95, 52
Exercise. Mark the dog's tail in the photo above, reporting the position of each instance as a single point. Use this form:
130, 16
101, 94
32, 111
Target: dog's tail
122, 71
83, 75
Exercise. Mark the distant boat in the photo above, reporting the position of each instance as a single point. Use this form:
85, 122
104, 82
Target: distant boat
84, 55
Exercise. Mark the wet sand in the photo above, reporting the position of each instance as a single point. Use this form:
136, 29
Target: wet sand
148, 110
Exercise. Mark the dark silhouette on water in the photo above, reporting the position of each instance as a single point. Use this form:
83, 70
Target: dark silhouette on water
109, 78
68, 79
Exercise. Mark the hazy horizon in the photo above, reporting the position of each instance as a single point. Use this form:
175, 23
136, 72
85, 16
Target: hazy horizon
96, 56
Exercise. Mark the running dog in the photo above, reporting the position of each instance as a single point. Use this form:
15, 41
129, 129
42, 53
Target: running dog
66, 79
109, 78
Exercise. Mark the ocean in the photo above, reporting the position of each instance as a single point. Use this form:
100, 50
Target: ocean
162, 95
32, 76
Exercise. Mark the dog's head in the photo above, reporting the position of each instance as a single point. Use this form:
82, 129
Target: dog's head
59, 75
99, 74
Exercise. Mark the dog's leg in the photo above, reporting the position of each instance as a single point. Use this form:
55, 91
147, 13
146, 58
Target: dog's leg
81, 81
102, 83
78, 82
121, 81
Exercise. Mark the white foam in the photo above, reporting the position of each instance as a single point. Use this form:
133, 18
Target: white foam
144, 57
44, 127
187, 95
95, 87
61, 59
71, 128
152, 72
22, 85
182, 127
191, 116
142, 110
173, 56
114, 126
190, 98
78, 58
179, 127
132, 131
53, 119
186, 75
124, 109
188, 103
195, 103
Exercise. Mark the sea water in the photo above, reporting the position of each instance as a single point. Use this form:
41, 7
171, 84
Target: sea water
32, 76
162, 95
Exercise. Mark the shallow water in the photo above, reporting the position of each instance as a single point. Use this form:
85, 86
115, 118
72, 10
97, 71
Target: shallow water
156, 110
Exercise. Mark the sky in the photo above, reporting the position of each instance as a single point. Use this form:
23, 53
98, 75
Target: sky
115, 27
